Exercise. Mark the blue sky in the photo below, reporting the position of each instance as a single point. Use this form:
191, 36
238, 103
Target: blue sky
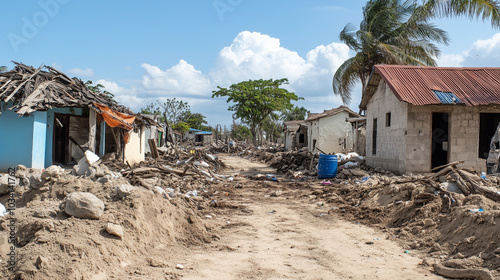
149, 50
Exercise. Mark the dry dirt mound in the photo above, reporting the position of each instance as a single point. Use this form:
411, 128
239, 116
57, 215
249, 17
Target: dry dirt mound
54, 245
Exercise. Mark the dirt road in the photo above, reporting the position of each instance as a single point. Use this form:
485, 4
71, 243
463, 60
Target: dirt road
285, 238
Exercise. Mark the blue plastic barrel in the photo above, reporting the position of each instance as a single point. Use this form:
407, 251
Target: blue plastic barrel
327, 166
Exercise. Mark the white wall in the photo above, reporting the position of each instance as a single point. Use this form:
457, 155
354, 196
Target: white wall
391, 148
136, 147
328, 131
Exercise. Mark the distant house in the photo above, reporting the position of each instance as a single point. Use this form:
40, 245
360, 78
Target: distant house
48, 118
191, 134
418, 118
154, 132
295, 134
203, 137
199, 136
330, 131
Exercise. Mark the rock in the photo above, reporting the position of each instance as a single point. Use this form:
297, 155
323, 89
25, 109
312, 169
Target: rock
123, 190
435, 248
42, 236
104, 180
83, 205
414, 245
35, 177
21, 170
451, 187
428, 222
358, 172
497, 251
44, 213
41, 262
52, 171
114, 229
197, 198
276, 193
156, 263
4, 183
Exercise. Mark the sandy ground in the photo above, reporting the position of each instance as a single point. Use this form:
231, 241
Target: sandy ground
280, 238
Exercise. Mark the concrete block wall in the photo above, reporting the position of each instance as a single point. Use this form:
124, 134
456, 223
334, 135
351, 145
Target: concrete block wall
391, 146
418, 139
463, 138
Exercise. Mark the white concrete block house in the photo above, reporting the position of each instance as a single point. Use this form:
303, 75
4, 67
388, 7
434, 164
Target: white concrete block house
330, 131
419, 118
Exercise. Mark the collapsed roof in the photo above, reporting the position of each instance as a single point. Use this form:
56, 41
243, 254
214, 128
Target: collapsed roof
41, 89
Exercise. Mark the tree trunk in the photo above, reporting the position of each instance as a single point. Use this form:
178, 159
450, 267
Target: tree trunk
253, 130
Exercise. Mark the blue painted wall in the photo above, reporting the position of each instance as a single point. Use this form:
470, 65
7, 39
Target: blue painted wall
50, 129
16, 139
39, 138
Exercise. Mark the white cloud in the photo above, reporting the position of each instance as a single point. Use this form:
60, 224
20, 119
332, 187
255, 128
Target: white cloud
251, 55
483, 53
81, 72
451, 60
181, 79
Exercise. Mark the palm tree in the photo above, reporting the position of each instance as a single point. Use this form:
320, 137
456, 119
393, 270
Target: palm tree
484, 9
392, 32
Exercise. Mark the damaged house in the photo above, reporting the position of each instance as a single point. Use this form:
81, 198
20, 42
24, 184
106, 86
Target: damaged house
330, 131
48, 118
295, 134
419, 118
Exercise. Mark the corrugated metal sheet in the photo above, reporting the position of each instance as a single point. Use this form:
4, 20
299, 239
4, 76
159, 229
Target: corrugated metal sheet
417, 84
447, 97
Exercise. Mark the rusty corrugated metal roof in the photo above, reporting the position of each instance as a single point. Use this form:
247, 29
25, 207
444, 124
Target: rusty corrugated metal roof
418, 85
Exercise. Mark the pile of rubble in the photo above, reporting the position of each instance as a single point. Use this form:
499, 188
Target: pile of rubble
453, 214
102, 205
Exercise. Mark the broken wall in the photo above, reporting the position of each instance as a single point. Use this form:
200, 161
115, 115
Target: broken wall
136, 147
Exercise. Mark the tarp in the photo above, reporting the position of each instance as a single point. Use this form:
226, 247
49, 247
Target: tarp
116, 119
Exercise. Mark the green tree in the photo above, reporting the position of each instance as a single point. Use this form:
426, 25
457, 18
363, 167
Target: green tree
240, 132
273, 127
392, 32
296, 113
181, 127
171, 111
254, 100
99, 89
3, 69
194, 120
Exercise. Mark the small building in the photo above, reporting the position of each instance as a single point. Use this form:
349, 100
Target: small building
330, 131
203, 137
48, 118
419, 118
190, 135
295, 134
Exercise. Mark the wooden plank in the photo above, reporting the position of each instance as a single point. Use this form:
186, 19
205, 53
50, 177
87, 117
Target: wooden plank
153, 148
22, 84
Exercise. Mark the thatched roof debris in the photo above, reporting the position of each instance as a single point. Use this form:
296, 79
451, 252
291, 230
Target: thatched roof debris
31, 89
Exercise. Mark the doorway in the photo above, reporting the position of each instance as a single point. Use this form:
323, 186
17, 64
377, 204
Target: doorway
440, 144
60, 148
